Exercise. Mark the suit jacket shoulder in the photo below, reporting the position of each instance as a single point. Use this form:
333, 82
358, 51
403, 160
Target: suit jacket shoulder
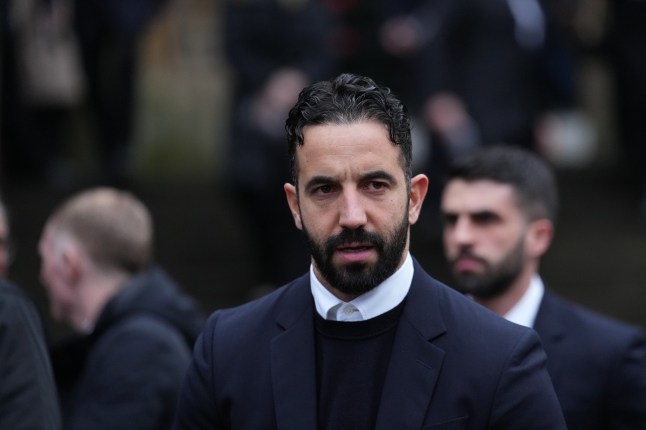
597, 364
494, 367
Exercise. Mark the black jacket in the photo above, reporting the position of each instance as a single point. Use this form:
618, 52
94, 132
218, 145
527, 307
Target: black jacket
27, 393
597, 365
453, 365
127, 373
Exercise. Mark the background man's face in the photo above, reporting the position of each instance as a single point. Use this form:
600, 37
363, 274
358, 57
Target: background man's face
484, 236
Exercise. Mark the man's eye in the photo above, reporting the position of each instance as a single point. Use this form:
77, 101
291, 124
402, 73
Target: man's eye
449, 219
485, 218
323, 189
377, 185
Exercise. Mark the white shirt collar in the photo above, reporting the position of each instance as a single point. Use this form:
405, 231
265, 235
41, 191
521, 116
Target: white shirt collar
524, 312
375, 302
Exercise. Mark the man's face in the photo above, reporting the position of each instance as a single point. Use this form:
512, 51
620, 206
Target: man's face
353, 204
484, 236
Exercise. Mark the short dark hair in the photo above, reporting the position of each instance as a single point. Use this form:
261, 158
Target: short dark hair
530, 176
347, 99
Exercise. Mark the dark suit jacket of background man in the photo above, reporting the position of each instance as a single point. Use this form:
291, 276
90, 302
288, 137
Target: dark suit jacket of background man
597, 365
454, 364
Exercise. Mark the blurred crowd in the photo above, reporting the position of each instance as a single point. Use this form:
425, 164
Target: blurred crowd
59, 56
472, 73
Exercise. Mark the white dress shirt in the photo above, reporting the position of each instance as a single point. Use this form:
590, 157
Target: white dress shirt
524, 312
375, 302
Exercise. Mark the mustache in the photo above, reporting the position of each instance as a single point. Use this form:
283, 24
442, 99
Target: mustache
465, 253
347, 236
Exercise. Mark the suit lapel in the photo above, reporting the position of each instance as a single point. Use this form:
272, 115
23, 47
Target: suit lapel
551, 330
415, 362
293, 366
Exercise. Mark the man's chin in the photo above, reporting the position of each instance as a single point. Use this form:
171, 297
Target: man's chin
466, 283
353, 269
354, 287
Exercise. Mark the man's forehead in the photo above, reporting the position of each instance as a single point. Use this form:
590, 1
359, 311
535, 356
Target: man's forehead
357, 140
478, 195
477, 187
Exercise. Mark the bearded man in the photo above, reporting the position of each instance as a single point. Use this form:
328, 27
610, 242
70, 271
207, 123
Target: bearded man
366, 340
499, 208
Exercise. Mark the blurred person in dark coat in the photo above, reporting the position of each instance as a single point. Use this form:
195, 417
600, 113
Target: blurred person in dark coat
274, 48
109, 34
28, 398
480, 74
39, 89
373, 38
499, 208
137, 329
626, 44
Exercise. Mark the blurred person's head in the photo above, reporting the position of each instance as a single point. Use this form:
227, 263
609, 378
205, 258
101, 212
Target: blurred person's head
90, 246
5, 242
353, 196
499, 209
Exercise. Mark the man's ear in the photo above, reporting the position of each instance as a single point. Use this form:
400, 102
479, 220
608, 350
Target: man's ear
418, 189
72, 262
539, 237
292, 201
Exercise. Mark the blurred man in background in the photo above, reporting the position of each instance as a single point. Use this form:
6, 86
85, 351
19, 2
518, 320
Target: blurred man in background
499, 209
136, 328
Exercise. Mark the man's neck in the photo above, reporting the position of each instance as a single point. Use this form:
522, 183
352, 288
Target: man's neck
97, 292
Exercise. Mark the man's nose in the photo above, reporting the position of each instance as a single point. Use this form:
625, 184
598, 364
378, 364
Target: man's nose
463, 231
352, 213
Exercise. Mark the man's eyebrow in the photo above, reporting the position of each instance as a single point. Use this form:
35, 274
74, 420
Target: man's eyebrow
482, 212
379, 174
318, 180
470, 214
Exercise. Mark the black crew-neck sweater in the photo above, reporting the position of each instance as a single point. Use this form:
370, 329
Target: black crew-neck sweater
351, 363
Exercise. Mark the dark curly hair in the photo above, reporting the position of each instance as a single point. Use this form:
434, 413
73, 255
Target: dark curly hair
348, 99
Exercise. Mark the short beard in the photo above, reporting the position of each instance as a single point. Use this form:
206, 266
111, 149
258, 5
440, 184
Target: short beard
496, 280
358, 278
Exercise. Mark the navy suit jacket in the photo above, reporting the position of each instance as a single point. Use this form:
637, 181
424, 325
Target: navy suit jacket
454, 365
597, 365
